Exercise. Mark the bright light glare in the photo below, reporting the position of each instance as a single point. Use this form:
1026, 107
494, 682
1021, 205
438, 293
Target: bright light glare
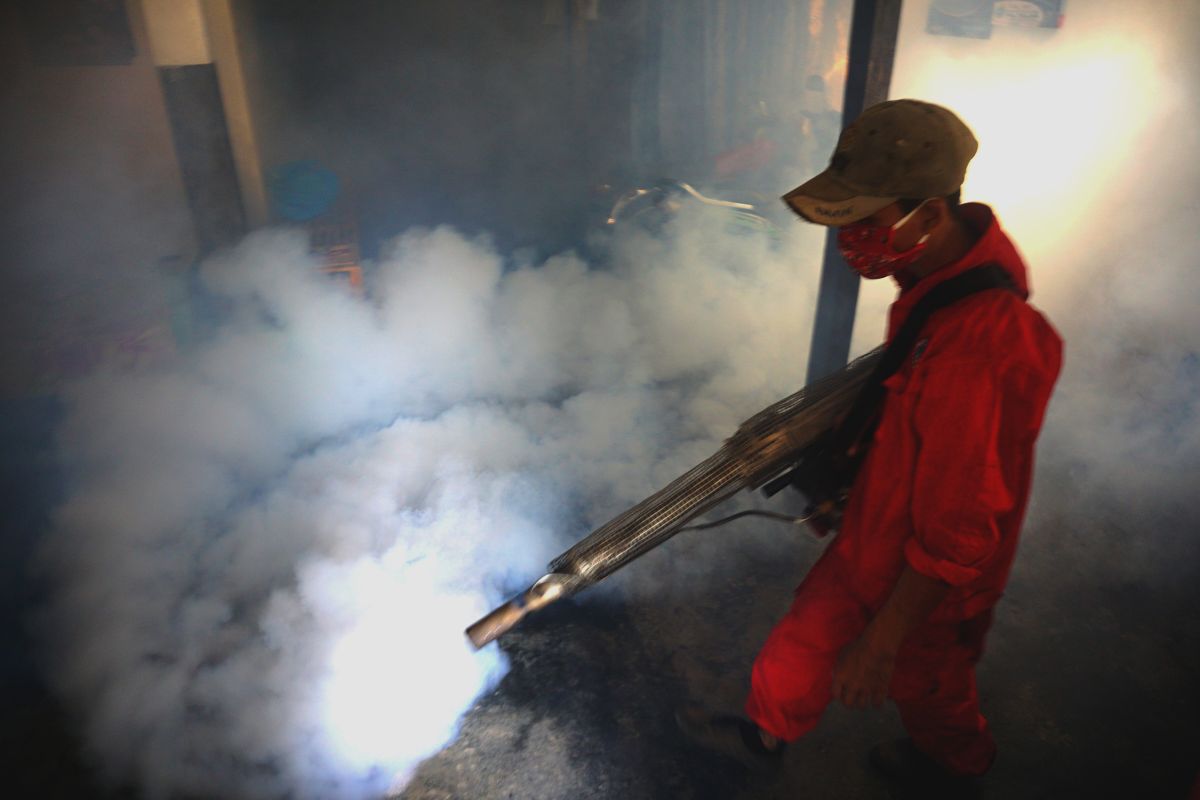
1068, 141
1057, 122
402, 673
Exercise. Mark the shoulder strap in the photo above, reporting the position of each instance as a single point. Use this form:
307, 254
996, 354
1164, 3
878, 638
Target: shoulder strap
862, 414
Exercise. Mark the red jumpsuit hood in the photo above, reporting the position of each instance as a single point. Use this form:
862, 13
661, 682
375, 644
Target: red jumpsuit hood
993, 245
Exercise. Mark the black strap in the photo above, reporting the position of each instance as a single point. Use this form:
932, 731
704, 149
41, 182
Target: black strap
859, 422
827, 469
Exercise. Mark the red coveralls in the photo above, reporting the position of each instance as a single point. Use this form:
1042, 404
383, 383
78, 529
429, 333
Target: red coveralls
943, 489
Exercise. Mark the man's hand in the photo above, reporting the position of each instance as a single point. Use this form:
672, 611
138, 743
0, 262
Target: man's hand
863, 674
864, 669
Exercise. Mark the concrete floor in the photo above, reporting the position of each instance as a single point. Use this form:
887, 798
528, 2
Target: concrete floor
1089, 681
1090, 686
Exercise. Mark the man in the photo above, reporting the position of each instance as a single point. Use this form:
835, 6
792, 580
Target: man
899, 604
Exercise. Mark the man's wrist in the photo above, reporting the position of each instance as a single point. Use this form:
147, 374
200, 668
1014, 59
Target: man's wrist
882, 638
913, 598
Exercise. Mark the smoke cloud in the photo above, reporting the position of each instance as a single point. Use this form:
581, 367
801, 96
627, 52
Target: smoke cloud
272, 544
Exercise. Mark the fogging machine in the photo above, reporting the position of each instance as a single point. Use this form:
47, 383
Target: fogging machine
796, 441
813, 440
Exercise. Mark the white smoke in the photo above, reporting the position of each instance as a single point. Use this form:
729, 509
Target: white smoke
271, 545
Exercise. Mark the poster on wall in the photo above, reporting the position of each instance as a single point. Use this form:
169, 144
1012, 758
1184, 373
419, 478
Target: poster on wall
975, 19
1028, 13
78, 33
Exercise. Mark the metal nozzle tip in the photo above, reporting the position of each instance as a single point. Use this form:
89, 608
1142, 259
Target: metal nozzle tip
495, 624
545, 591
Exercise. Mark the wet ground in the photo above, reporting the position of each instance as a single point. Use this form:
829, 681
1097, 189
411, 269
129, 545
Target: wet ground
1090, 679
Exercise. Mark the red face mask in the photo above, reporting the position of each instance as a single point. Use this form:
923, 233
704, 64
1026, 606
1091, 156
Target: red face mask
868, 248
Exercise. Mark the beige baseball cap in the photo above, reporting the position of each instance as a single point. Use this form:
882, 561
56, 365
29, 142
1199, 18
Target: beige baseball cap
895, 149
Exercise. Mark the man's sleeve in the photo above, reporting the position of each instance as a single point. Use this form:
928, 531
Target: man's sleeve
959, 489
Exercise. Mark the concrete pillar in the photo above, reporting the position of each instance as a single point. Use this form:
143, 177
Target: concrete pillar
226, 41
873, 31
195, 50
